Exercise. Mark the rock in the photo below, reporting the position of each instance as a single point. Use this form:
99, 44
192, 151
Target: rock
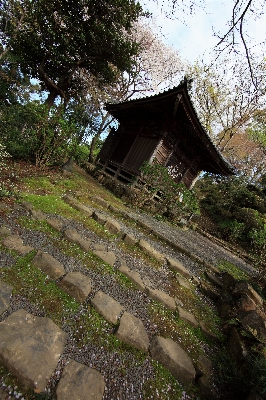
129, 239
107, 256
236, 347
228, 280
254, 324
99, 246
245, 303
112, 226
163, 298
28, 206
5, 231
148, 249
80, 382
38, 215
69, 199
205, 381
100, 201
14, 242
84, 209
131, 331
187, 317
246, 288
48, 265
213, 280
182, 282
174, 358
177, 266
55, 223
5, 294
76, 285
109, 308
99, 217
73, 236
134, 276
209, 292
30, 348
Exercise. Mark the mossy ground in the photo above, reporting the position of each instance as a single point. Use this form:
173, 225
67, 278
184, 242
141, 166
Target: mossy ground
45, 194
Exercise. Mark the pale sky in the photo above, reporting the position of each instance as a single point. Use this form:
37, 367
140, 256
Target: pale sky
195, 39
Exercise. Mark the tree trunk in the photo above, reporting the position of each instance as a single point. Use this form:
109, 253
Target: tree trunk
49, 102
93, 143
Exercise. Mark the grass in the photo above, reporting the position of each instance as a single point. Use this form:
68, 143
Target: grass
163, 387
232, 269
43, 292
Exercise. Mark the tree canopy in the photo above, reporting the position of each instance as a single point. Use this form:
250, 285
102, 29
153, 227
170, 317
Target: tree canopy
56, 40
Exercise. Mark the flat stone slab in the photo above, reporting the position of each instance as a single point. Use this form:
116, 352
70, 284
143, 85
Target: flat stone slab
38, 215
131, 331
5, 293
112, 226
187, 317
148, 249
84, 209
5, 231
174, 358
163, 298
76, 285
107, 256
108, 307
69, 199
80, 382
100, 201
178, 267
30, 348
129, 239
73, 236
99, 217
55, 223
14, 242
134, 276
183, 282
48, 265
98, 246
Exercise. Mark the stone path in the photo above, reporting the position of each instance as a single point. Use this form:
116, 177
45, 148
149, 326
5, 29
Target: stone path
30, 346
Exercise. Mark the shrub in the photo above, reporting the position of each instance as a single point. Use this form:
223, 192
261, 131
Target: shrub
173, 199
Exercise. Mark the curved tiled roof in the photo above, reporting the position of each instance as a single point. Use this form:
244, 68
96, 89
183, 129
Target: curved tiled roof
117, 109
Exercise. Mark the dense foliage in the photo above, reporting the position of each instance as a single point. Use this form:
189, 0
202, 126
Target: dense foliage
238, 210
58, 42
170, 199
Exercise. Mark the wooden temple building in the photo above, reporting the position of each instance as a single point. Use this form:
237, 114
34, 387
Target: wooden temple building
163, 128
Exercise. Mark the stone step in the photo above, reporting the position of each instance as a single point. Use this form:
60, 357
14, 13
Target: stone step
132, 331
171, 355
76, 285
80, 382
14, 242
30, 347
48, 265
109, 308
133, 276
5, 294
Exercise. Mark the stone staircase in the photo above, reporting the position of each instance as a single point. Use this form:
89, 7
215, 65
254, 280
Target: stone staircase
32, 347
